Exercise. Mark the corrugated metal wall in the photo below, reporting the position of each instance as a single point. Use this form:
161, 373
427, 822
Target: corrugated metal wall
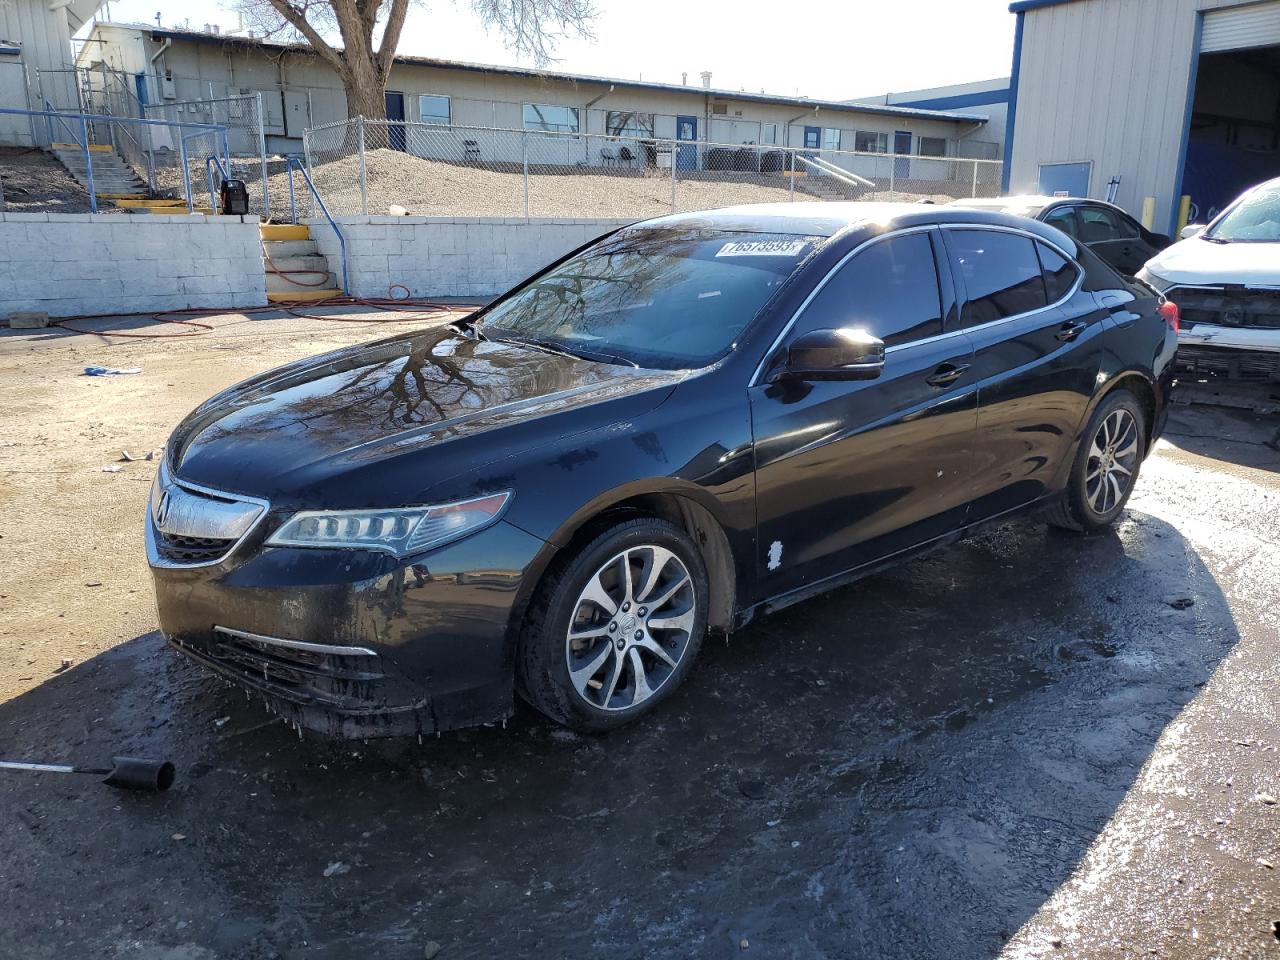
46, 45
1107, 81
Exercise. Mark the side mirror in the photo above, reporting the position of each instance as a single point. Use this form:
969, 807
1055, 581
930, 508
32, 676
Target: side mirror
844, 354
1191, 230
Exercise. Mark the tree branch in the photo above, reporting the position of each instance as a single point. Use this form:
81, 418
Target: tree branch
391, 37
299, 21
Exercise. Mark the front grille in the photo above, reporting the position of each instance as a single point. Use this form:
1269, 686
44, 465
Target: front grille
1228, 307
178, 549
1232, 364
300, 671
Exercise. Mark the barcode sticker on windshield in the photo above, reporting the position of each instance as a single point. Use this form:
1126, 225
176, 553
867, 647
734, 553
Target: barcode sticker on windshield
763, 248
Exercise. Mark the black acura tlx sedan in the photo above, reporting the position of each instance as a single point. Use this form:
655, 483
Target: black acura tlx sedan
684, 424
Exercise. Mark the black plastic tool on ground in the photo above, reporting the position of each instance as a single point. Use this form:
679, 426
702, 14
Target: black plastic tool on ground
126, 773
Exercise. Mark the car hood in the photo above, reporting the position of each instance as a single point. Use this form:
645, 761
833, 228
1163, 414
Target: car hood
1204, 262
461, 402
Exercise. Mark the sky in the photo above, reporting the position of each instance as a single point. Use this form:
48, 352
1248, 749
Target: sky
826, 49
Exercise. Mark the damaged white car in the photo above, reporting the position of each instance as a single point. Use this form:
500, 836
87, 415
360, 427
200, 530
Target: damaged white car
1225, 279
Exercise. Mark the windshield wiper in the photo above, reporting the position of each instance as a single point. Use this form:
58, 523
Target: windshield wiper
1214, 239
537, 343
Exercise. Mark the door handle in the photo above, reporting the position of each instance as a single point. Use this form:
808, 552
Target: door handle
946, 374
1069, 331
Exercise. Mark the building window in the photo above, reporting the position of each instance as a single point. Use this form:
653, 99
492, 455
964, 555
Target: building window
618, 123
434, 109
932, 146
551, 118
830, 138
866, 142
768, 133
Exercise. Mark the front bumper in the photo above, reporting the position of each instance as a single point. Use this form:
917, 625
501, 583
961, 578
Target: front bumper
355, 644
1240, 353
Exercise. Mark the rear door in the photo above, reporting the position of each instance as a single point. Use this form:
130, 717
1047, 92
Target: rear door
1037, 351
848, 472
1113, 237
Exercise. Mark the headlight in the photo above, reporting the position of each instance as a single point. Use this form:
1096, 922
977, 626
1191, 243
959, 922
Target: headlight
1154, 280
402, 533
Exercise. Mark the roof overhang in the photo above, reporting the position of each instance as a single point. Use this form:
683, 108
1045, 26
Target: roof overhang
1022, 6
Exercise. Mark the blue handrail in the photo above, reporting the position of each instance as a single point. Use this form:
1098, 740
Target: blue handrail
290, 164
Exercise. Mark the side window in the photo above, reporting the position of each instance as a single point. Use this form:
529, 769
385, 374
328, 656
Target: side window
1059, 272
890, 290
1064, 219
1098, 225
1001, 275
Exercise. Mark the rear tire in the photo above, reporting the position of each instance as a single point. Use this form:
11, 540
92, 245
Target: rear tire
615, 628
1105, 468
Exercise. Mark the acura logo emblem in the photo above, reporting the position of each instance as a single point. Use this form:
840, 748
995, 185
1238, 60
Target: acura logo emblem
162, 509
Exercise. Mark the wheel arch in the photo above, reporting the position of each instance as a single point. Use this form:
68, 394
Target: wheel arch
688, 506
1143, 388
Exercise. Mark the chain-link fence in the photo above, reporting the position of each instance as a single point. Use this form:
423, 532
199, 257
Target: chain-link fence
246, 139
370, 167
115, 161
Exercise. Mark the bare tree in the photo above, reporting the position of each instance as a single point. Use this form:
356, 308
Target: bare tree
342, 33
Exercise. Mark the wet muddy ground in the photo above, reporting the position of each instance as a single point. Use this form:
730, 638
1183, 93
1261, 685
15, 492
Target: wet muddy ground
1029, 744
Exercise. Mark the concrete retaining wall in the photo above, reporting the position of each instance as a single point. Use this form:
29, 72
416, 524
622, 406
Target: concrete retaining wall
442, 257
72, 264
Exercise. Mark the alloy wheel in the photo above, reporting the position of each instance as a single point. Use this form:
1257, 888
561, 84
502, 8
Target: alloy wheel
1113, 458
630, 628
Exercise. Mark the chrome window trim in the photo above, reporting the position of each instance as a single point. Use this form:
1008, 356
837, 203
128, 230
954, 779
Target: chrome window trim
324, 648
166, 476
947, 334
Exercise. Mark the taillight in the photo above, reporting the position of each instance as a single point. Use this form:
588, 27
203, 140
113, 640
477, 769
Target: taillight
1172, 316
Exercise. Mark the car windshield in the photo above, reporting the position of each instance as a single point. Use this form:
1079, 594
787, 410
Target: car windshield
1255, 219
667, 297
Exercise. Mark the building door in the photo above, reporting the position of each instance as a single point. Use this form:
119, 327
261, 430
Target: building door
1065, 179
687, 156
902, 147
395, 111
140, 89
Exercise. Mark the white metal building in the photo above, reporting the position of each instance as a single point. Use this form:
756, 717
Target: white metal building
35, 36
300, 90
1172, 97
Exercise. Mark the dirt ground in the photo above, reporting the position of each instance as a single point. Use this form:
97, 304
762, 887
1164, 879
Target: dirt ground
1027, 745
31, 180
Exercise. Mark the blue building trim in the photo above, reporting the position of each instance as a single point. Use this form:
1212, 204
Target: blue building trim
1011, 119
1021, 6
1192, 75
959, 101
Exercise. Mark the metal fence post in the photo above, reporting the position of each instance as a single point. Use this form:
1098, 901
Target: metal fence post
893, 163
88, 165
262, 153
792, 178
525, 151
975, 179
186, 171
364, 173
674, 148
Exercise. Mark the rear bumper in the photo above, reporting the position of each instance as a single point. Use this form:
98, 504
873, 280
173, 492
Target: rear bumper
354, 644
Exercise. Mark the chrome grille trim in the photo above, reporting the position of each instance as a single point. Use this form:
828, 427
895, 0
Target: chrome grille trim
330, 649
240, 523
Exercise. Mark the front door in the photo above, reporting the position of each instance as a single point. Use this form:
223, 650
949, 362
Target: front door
687, 156
1037, 353
395, 111
848, 472
902, 149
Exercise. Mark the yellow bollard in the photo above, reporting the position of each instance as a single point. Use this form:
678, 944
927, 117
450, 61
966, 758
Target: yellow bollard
1184, 214
1149, 212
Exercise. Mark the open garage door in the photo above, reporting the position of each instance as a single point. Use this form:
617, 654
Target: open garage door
1234, 139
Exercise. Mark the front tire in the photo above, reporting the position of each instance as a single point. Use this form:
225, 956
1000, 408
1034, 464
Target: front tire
615, 629
1106, 466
